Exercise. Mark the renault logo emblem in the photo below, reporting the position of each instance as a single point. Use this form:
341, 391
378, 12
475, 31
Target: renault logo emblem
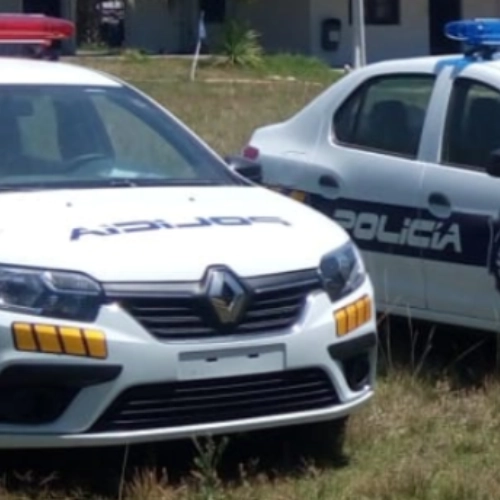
226, 295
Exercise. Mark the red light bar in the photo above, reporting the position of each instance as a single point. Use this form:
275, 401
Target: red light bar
34, 28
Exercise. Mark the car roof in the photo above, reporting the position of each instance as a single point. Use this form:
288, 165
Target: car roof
23, 71
430, 63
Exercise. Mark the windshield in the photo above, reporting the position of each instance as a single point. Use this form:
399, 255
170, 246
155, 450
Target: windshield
78, 136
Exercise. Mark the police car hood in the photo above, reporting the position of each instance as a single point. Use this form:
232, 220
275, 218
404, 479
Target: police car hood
154, 234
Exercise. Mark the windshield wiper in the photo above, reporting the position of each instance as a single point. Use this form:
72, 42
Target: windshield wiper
142, 182
23, 189
109, 183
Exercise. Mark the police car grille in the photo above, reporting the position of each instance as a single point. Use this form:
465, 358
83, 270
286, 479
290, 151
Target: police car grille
276, 303
217, 400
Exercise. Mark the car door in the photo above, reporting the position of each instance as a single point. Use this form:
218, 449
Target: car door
372, 188
462, 203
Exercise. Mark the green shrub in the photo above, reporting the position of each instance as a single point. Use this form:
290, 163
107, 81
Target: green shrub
240, 44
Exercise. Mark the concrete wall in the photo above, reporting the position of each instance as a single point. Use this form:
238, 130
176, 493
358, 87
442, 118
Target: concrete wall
68, 11
149, 24
480, 8
282, 24
11, 5
410, 38
285, 25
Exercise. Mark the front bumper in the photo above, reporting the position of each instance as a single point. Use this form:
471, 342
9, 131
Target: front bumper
148, 390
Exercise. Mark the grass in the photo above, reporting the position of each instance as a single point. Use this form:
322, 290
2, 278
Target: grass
222, 112
431, 432
132, 63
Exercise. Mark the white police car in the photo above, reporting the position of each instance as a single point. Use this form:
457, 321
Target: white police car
405, 154
149, 292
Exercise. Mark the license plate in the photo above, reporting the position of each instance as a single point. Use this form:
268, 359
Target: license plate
231, 362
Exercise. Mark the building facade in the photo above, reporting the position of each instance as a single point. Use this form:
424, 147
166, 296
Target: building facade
320, 28
394, 28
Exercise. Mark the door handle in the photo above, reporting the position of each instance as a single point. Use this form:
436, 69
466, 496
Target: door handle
439, 205
328, 181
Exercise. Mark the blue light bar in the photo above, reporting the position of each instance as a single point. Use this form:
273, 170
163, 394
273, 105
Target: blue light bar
475, 32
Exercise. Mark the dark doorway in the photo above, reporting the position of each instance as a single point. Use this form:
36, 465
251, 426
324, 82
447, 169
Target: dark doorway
47, 7
215, 10
440, 13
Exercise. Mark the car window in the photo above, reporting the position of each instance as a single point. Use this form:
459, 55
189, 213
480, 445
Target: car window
38, 128
70, 134
385, 114
142, 146
472, 130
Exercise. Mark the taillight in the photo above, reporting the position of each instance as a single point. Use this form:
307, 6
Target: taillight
251, 153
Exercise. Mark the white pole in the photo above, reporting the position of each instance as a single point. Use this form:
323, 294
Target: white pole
201, 35
195, 60
358, 28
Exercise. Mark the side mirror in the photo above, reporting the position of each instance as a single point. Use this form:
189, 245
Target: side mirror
493, 166
248, 169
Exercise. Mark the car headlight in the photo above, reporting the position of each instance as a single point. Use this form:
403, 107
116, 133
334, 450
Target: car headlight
342, 271
55, 294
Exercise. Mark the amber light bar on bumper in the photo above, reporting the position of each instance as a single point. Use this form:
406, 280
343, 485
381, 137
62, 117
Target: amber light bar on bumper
353, 316
51, 339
